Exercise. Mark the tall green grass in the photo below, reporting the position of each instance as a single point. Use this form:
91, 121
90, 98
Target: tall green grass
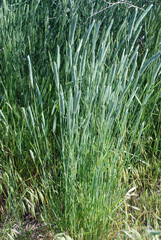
79, 114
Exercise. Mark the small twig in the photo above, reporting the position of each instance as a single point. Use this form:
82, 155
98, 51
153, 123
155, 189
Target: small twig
112, 4
122, 2
51, 18
99, 11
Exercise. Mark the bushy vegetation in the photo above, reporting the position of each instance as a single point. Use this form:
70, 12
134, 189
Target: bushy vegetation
80, 118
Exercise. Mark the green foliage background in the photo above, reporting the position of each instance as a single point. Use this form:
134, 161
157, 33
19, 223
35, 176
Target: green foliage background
80, 114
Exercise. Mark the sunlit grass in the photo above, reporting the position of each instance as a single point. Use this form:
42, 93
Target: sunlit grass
80, 120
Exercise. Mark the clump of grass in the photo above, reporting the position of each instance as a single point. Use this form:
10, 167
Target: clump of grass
79, 117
